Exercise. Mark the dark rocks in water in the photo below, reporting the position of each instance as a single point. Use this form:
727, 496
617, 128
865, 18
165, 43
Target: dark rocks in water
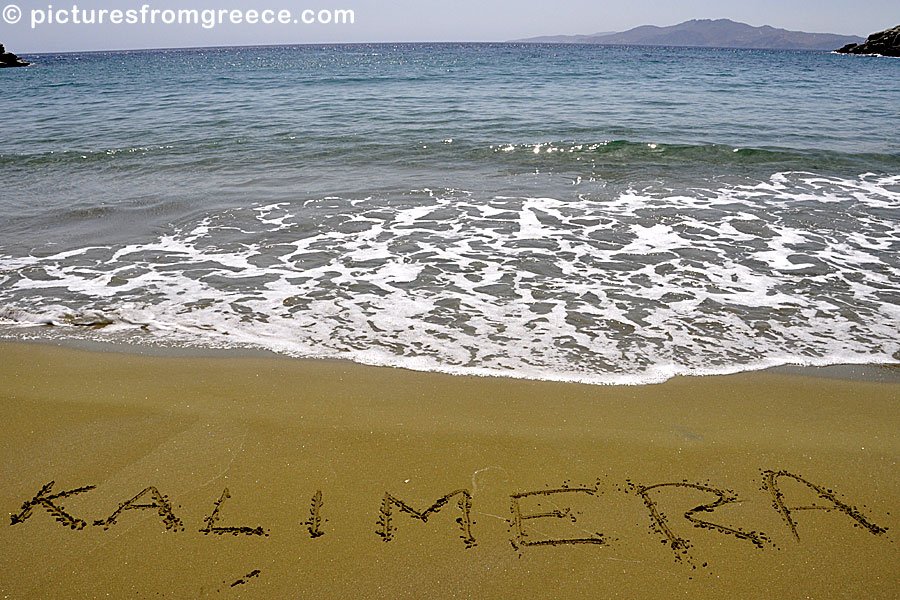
885, 43
8, 59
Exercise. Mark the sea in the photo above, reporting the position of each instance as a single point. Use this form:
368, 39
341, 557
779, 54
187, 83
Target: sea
607, 215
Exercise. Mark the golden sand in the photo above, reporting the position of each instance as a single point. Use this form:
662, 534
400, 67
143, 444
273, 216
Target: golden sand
182, 477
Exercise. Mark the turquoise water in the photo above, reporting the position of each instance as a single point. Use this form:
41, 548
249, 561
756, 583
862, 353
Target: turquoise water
600, 214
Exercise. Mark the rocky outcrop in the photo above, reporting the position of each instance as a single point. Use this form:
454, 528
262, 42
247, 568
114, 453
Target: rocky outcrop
8, 59
885, 43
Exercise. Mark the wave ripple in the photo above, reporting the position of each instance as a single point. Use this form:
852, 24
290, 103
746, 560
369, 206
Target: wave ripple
630, 288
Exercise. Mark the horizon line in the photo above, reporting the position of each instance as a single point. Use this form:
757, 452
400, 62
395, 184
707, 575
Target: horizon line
523, 42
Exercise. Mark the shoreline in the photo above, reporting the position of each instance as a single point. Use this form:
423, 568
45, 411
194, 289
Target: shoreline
872, 371
258, 478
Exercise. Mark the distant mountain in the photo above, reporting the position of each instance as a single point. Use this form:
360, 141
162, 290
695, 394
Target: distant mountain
565, 39
719, 33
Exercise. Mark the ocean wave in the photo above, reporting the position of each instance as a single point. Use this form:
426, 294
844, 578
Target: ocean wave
588, 156
630, 288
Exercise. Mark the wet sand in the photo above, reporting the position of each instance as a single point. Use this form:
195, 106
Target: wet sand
236, 477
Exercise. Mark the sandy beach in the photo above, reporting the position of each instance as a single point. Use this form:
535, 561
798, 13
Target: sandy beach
129, 476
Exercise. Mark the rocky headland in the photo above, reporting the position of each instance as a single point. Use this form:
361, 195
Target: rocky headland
8, 59
885, 43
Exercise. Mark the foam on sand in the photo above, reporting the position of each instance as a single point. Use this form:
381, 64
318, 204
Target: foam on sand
634, 288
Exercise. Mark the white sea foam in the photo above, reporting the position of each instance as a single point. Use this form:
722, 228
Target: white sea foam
630, 289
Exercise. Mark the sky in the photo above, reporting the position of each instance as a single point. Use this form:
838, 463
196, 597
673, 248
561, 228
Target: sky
425, 20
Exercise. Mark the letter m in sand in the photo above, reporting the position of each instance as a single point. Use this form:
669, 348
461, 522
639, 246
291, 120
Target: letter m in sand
463, 502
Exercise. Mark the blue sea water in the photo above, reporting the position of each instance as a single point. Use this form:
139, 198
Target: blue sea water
580, 213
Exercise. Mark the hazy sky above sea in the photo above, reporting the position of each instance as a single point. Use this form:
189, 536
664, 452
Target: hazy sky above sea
432, 20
